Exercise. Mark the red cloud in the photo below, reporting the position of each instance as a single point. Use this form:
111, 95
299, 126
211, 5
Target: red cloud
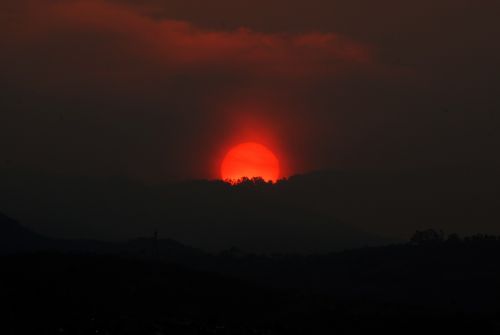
101, 39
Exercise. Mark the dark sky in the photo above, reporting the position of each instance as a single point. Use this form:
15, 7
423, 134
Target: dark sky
158, 90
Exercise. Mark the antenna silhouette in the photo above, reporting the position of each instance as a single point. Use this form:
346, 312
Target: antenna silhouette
155, 251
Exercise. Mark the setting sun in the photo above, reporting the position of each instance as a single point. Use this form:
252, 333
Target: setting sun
250, 160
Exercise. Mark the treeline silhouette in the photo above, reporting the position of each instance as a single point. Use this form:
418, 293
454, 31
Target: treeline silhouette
432, 236
434, 283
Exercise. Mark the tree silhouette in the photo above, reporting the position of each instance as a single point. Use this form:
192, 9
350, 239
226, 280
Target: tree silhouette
428, 236
454, 238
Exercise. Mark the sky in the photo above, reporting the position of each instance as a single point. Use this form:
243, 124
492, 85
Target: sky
158, 90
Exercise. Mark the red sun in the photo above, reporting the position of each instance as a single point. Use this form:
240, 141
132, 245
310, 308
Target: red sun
250, 160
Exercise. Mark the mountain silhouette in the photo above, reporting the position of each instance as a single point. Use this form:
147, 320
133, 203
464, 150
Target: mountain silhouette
16, 238
209, 215
315, 212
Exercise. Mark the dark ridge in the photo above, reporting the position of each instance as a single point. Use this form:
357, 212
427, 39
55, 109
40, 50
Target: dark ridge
15, 238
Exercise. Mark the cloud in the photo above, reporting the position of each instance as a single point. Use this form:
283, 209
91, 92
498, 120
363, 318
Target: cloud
97, 39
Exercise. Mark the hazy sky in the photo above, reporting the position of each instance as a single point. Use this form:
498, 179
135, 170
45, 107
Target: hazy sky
159, 90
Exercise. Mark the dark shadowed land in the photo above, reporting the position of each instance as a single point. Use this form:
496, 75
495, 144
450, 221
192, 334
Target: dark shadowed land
433, 284
317, 212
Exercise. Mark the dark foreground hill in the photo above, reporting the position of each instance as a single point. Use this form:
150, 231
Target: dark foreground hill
150, 286
49, 293
15, 237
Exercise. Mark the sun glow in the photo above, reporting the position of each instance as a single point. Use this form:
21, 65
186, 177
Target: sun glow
250, 160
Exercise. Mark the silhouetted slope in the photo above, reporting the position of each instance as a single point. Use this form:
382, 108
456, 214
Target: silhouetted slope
210, 215
134, 288
71, 294
315, 212
254, 218
399, 202
453, 270
434, 289
165, 250
14, 237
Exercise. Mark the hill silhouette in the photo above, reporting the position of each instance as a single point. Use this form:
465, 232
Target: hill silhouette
210, 215
433, 283
15, 238
316, 212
